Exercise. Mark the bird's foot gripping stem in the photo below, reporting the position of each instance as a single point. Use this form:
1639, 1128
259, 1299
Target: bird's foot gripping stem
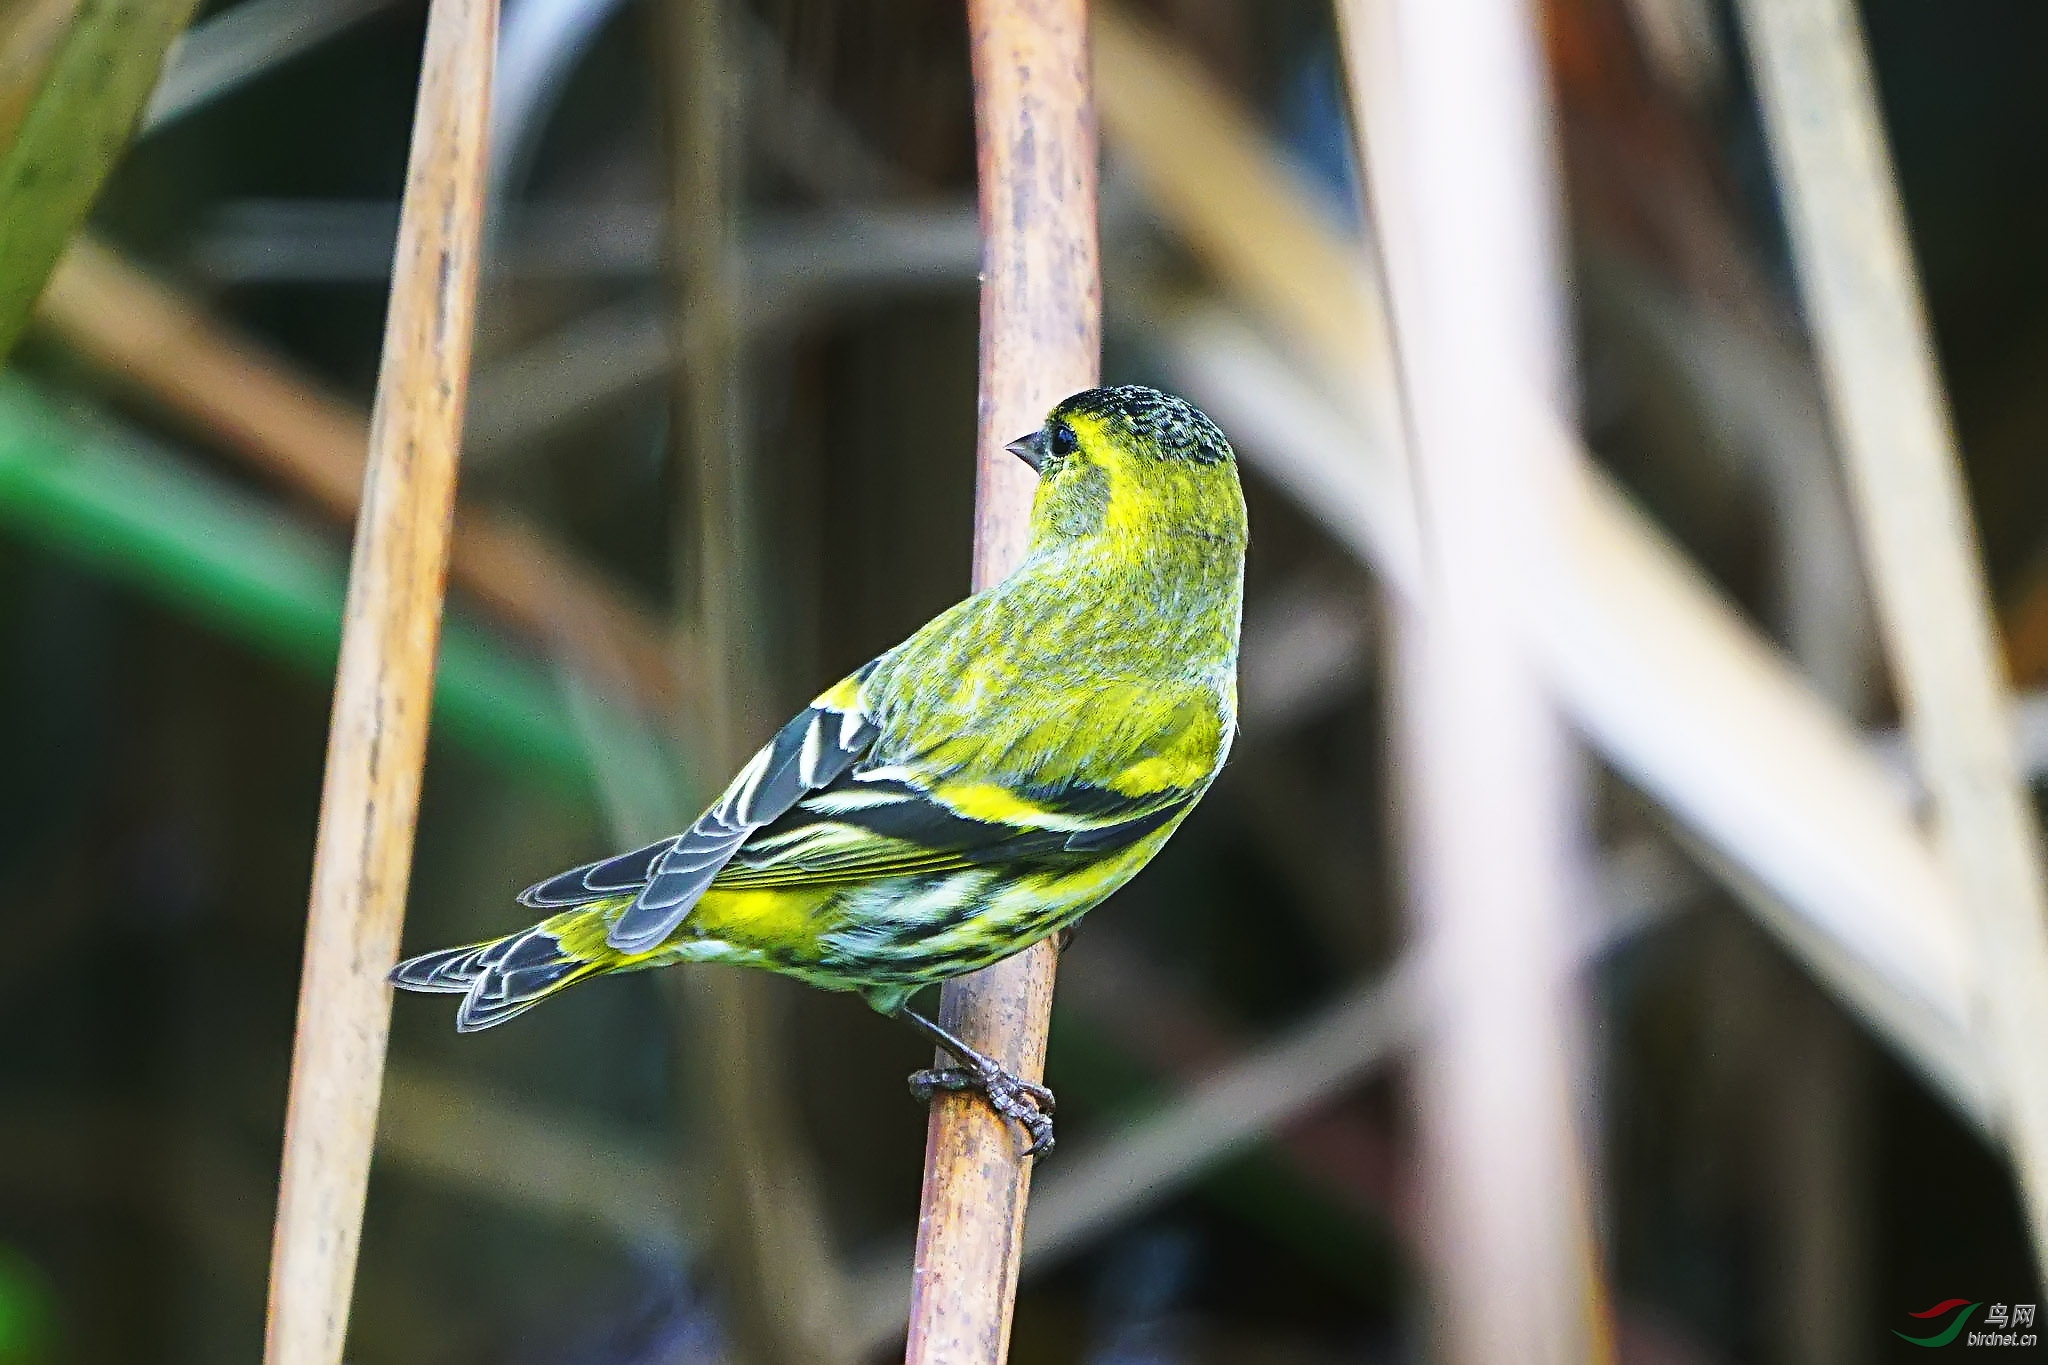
1023, 1102
1011, 1096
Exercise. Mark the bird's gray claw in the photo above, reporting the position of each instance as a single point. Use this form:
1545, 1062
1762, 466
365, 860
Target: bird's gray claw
1040, 1128
1024, 1102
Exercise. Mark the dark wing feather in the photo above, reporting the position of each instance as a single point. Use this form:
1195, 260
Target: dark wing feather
626, 872
864, 827
813, 750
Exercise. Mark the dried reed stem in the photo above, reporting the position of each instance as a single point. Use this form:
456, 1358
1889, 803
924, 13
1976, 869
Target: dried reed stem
1041, 339
1891, 416
383, 687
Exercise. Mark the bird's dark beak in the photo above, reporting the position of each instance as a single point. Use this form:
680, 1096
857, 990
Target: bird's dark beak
1031, 450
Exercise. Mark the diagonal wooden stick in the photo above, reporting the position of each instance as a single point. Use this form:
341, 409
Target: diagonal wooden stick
1041, 339
383, 685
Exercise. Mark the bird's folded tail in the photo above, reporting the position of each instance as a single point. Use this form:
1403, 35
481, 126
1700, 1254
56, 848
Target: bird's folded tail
509, 976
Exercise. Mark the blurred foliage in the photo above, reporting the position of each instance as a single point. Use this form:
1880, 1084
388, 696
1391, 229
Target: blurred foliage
189, 537
70, 133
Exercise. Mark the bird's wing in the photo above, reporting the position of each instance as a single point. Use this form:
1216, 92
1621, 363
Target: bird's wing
937, 813
810, 752
869, 827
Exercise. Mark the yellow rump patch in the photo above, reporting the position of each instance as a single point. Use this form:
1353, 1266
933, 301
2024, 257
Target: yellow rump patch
767, 917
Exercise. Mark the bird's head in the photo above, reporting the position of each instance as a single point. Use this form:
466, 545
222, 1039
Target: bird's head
1136, 470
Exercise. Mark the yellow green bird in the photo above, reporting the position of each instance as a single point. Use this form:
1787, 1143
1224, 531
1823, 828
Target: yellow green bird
982, 785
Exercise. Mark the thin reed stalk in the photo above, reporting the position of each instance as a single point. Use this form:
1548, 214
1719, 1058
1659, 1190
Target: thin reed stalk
1890, 413
1041, 339
382, 692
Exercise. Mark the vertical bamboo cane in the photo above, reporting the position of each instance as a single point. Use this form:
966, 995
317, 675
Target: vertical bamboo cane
1886, 401
1041, 339
382, 696
1450, 94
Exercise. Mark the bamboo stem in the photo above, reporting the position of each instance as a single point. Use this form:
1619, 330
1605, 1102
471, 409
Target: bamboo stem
1450, 95
383, 685
1885, 398
1041, 339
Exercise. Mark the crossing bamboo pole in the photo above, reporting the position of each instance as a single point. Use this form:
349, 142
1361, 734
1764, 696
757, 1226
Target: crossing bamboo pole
1891, 416
382, 690
1451, 97
1041, 339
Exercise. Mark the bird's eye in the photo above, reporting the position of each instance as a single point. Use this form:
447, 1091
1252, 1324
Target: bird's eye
1064, 442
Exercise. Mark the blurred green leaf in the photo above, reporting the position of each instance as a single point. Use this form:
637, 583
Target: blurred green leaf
186, 537
77, 124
